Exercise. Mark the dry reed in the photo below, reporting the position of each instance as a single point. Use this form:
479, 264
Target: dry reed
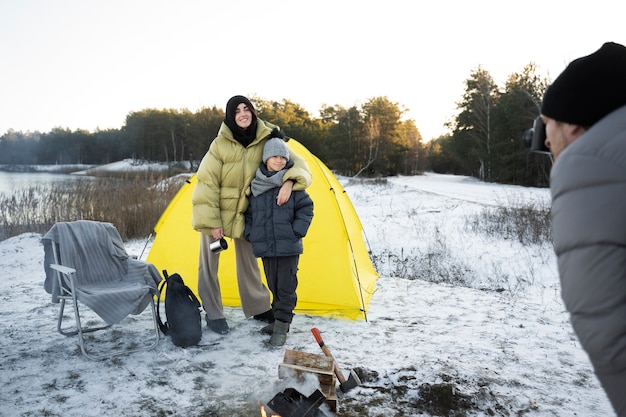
133, 205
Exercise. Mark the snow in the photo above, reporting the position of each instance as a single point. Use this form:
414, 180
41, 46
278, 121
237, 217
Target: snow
491, 326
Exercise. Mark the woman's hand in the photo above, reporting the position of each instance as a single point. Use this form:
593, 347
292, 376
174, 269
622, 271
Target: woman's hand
217, 233
284, 193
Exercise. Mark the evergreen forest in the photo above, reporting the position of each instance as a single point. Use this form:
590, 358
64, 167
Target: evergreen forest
371, 140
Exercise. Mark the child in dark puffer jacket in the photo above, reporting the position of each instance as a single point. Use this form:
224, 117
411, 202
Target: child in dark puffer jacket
276, 233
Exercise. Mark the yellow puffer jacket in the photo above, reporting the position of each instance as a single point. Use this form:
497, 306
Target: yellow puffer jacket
224, 176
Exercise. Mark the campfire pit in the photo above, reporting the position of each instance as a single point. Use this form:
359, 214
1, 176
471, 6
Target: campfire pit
300, 363
291, 403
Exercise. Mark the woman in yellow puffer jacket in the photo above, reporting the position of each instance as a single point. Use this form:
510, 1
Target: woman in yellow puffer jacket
219, 202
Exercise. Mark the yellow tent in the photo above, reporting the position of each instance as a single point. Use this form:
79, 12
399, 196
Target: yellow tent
335, 276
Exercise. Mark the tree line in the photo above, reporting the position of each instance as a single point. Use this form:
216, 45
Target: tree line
486, 133
373, 139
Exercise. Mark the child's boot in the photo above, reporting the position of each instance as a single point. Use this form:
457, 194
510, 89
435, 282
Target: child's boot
279, 334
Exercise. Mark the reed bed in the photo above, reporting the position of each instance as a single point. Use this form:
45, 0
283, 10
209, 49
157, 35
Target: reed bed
132, 204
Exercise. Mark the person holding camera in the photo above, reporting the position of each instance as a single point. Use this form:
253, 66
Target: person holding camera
584, 112
276, 232
219, 202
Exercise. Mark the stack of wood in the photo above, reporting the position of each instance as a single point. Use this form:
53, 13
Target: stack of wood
296, 363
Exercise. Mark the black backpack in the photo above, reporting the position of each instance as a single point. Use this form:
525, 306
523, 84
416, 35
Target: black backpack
182, 309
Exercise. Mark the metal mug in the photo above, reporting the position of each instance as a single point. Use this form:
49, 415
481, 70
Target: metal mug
218, 246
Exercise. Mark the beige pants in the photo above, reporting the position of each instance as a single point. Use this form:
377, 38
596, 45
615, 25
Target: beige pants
255, 297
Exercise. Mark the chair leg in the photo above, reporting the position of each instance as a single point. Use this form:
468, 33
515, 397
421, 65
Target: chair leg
80, 330
74, 332
157, 330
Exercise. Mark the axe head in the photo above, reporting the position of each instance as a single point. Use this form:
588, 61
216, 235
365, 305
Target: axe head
352, 381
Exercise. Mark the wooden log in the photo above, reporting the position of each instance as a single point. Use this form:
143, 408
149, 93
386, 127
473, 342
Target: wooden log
297, 363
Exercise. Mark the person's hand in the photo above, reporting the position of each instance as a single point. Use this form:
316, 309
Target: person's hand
217, 233
284, 193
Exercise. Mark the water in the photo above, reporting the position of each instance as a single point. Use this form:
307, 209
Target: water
12, 181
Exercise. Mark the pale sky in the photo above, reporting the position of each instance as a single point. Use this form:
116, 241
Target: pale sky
86, 64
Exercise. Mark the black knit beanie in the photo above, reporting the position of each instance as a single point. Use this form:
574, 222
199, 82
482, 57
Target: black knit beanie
245, 137
589, 88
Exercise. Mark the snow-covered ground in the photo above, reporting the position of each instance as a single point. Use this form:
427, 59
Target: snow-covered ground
487, 336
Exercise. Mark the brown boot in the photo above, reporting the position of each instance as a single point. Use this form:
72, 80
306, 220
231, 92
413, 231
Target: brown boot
279, 334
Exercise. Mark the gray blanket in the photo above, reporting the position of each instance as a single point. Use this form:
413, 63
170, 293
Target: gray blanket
110, 282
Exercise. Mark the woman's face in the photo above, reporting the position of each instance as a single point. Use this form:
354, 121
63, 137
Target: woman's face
243, 116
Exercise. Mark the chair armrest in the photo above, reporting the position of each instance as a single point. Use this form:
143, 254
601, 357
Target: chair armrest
65, 277
63, 269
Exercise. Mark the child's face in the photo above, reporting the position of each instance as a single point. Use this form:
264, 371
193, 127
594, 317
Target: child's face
276, 163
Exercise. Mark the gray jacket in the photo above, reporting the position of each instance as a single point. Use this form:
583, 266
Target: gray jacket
588, 184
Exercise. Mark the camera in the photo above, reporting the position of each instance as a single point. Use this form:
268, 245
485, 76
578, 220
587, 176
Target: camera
535, 137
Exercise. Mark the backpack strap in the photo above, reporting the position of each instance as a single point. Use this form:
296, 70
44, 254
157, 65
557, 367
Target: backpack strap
165, 328
192, 296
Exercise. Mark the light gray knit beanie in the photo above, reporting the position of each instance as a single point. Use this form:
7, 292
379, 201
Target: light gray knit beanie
275, 147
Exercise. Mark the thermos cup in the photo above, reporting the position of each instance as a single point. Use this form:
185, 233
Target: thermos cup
218, 245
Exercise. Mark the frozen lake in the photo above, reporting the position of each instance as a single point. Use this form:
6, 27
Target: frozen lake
11, 181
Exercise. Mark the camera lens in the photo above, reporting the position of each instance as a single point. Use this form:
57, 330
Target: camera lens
527, 137
539, 137
535, 137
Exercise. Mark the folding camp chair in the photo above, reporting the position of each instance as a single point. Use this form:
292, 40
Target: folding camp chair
86, 263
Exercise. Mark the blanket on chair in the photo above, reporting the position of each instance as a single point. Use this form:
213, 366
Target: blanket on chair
108, 280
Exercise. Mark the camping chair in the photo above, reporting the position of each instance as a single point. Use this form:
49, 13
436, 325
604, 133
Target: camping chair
86, 263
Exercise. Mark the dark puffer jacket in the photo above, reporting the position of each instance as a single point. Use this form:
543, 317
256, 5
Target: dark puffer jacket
275, 230
588, 184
